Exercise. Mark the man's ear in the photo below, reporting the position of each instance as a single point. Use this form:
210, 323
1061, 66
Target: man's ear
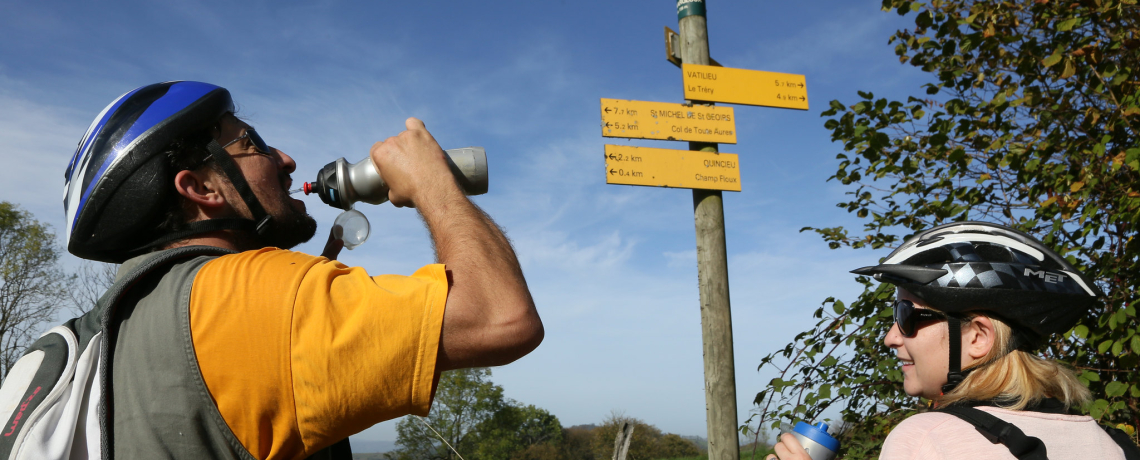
200, 188
979, 338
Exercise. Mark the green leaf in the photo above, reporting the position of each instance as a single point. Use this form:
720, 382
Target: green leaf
1114, 389
1136, 344
1097, 409
1070, 69
1053, 59
1067, 24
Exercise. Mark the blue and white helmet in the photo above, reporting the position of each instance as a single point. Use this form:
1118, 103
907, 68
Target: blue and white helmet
117, 185
979, 266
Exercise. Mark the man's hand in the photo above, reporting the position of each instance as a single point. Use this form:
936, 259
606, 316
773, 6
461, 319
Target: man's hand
413, 165
490, 318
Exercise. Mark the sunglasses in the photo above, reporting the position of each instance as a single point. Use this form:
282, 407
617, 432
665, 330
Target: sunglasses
255, 139
909, 318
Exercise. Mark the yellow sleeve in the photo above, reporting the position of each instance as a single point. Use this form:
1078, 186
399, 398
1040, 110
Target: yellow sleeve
299, 352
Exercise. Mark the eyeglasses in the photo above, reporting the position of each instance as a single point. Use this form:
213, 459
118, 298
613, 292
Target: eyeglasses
258, 143
908, 317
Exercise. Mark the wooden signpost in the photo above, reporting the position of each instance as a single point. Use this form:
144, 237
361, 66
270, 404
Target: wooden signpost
708, 172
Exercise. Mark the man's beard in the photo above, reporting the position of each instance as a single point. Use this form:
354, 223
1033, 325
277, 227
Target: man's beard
289, 230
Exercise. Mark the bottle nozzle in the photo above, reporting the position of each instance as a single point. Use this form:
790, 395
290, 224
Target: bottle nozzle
306, 187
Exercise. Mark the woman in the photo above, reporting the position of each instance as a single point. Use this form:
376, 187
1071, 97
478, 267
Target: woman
974, 300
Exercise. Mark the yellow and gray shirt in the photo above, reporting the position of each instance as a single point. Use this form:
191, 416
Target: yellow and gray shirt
295, 352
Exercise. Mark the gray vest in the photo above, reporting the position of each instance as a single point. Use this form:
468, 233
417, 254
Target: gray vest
161, 408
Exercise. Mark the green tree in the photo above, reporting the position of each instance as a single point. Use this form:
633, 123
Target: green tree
32, 285
515, 429
464, 399
576, 444
674, 446
1030, 120
471, 413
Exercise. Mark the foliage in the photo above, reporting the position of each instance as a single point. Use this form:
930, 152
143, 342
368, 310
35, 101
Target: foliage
464, 399
648, 442
471, 413
756, 450
514, 429
1031, 121
576, 445
31, 282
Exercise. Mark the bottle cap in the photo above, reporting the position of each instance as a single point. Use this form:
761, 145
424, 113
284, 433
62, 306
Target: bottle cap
352, 228
818, 434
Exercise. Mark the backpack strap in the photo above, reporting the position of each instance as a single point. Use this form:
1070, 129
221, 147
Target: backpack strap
1131, 451
995, 429
108, 303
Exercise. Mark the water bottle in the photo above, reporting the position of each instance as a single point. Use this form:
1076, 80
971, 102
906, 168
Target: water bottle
341, 184
815, 440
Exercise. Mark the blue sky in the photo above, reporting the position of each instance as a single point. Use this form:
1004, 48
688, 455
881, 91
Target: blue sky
612, 268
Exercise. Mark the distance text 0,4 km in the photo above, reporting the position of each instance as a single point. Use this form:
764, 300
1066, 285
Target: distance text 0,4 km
668, 121
747, 87
628, 165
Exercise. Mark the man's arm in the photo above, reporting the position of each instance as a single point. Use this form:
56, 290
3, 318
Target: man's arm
490, 317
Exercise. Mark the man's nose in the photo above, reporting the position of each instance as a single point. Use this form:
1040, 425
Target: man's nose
287, 163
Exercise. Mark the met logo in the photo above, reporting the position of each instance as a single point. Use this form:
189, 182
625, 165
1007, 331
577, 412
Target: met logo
1048, 277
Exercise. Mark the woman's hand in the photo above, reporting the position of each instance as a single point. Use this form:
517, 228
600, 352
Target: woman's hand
789, 448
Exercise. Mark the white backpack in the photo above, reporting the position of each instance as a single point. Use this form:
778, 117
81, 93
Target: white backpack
52, 398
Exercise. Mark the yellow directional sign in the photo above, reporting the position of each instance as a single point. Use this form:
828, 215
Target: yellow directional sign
667, 121
747, 87
628, 165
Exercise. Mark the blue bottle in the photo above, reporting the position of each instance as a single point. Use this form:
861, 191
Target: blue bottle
818, 444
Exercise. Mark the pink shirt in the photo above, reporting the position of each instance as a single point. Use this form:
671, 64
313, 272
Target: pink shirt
935, 435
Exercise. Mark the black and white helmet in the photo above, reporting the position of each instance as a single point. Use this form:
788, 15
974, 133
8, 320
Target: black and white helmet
979, 266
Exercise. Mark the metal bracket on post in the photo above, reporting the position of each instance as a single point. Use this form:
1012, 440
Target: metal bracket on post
673, 49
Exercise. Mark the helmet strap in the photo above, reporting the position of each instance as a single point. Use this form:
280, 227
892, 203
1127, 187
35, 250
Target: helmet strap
201, 226
261, 219
955, 375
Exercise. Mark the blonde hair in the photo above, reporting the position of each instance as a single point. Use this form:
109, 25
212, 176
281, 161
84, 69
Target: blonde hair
1015, 378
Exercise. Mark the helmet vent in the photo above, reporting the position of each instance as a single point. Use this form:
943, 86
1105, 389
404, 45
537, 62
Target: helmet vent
993, 253
932, 256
